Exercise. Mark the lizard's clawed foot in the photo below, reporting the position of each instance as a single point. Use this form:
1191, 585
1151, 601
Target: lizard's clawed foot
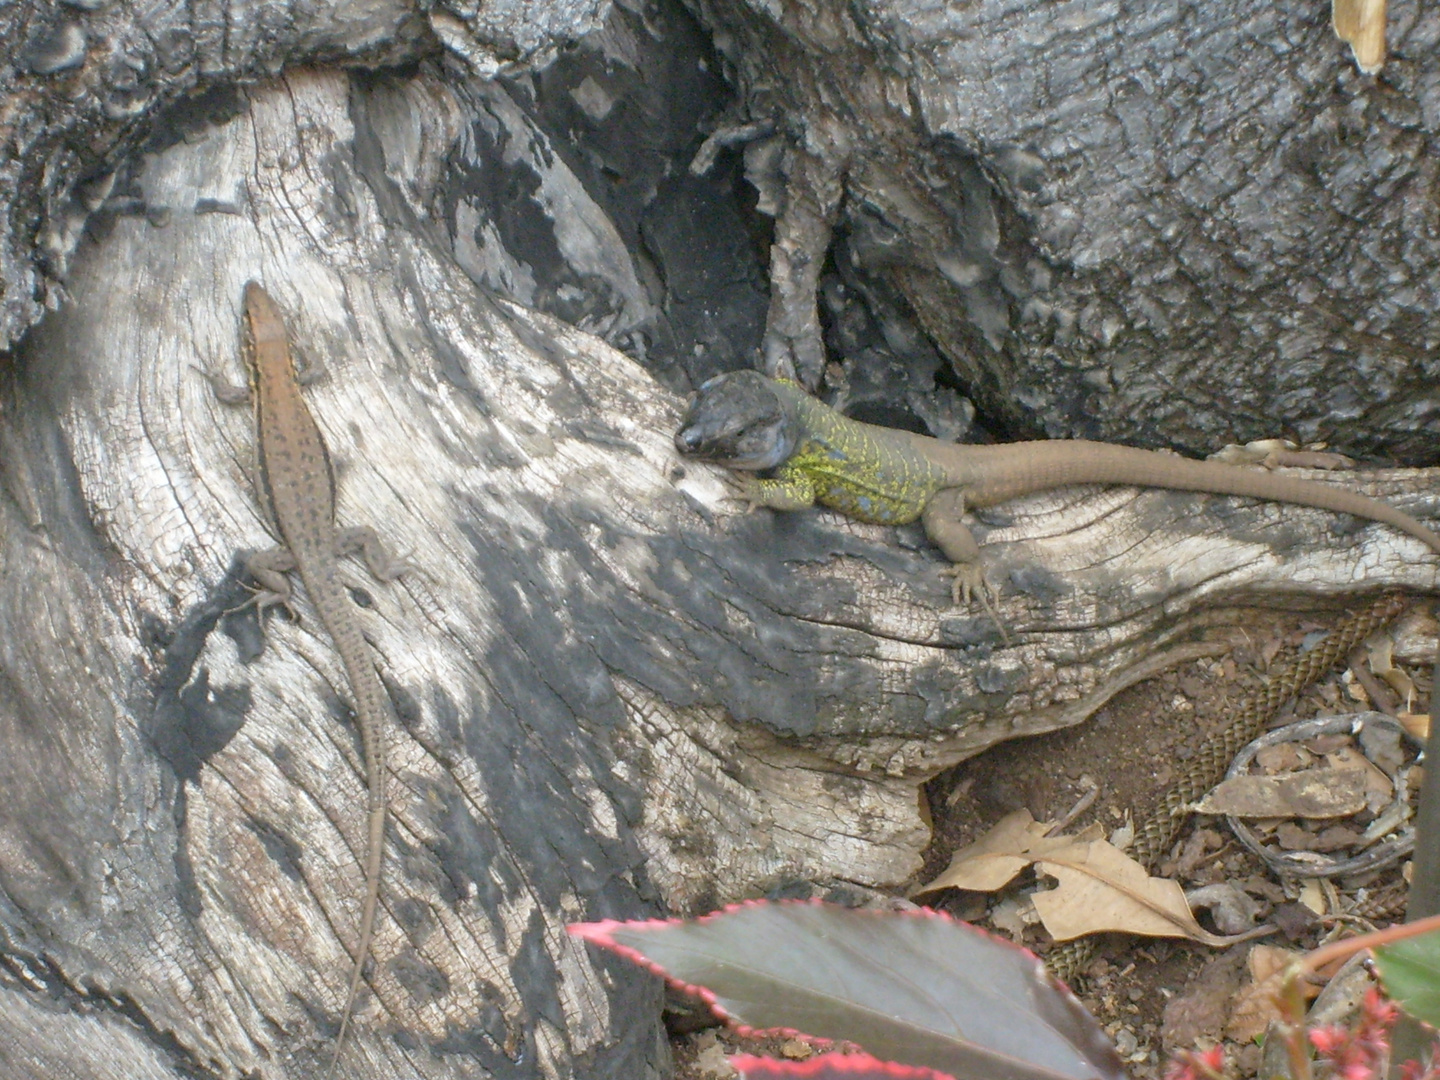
969, 585
745, 487
272, 587
262, 598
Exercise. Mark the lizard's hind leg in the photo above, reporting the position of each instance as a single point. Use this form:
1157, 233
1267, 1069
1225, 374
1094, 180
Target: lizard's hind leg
272, 587
943, 525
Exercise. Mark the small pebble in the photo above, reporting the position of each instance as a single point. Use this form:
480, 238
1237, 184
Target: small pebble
796, 1050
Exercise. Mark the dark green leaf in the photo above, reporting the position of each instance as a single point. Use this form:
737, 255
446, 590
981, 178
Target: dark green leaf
917, 987
1410, 970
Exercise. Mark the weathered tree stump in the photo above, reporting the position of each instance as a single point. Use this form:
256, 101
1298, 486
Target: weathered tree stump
618, 695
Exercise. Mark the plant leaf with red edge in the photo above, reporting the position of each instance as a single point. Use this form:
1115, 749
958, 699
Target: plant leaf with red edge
918, 987
830, 1067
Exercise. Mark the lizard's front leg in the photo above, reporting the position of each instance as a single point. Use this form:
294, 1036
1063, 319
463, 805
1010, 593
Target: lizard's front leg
226, 392
366, 541
789, 489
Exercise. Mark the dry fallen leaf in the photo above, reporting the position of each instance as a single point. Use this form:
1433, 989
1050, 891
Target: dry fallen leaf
1255, 1005
1378, 788
1382, 745
1338, 838
1417, 724
1312, 895
1232, 910
992, 862
1314, 793
1197, 1016
1014, 915
1361, 25
1283, 757
1270, 649
1100, 887
1380, 658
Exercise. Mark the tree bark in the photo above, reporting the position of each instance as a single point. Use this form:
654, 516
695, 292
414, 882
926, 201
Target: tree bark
618, 696
1177, 226
88, 84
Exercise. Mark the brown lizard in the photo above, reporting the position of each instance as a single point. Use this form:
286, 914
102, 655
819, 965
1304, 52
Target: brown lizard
296, 482
744, 420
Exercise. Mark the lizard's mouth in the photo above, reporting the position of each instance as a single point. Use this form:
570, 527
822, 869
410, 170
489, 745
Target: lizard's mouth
749, 450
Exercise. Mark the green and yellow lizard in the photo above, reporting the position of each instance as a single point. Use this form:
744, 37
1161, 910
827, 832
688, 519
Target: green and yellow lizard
885, 476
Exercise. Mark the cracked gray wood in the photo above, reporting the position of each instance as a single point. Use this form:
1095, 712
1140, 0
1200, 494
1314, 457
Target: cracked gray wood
85, 80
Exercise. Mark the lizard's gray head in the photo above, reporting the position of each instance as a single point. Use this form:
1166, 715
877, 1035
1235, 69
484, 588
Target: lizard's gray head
740, 420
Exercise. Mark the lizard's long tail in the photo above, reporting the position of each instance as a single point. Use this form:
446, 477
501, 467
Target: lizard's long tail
1013, 469
371, 709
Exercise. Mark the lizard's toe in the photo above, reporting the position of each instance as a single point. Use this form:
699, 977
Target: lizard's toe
746, 488
969, 585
